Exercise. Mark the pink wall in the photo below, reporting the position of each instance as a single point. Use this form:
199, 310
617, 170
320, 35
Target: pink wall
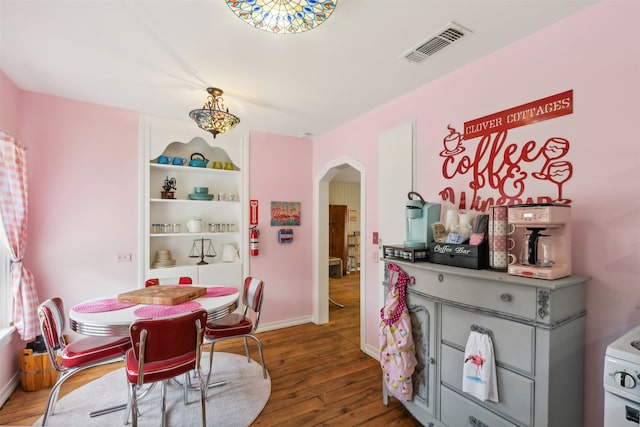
8, 105
83, 196
605, 186
279, 171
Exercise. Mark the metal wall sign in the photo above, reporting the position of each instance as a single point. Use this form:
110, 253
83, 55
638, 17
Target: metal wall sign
497, 165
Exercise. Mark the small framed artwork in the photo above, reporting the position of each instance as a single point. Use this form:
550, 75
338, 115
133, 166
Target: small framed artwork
285, 213
353, 215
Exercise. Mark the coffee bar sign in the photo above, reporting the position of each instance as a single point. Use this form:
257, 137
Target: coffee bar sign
452, 250
494, 163
533, 112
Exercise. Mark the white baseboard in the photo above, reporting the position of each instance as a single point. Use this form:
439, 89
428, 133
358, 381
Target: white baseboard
9, 388
264, 327
9, 343
372, 351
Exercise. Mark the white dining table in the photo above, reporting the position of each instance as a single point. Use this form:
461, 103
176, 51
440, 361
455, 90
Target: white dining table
117, 322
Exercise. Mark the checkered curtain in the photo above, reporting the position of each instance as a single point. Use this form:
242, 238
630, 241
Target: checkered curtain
13, 219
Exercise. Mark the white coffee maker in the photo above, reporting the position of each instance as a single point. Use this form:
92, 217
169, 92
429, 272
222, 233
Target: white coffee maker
542, 240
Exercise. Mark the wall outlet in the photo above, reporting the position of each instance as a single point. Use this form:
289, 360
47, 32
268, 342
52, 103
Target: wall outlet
123, 257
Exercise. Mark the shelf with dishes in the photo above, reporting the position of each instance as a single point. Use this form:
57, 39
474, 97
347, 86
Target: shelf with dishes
169, 187
207, 234
175, 218
191, 169
197, 250
214, 200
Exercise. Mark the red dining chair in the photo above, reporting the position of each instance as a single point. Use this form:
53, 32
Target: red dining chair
164, 348
237, 325
168, 281
74, 357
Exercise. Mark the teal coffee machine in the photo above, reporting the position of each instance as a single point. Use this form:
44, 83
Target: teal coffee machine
419, 216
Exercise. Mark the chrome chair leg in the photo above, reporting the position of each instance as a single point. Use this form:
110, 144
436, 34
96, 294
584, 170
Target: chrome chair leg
203, 397
127, 406
163, 393
259, 345
246, 349
53, 396
134, 405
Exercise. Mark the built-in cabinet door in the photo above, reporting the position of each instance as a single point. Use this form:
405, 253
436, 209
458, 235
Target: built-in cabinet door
396, 177
183, 271
222, 274
424, 329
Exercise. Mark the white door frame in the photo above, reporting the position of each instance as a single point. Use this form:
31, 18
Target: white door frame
321, 240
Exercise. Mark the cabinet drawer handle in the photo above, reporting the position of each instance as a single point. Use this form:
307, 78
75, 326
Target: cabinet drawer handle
440, 277
505, 297
432, 361
476, 422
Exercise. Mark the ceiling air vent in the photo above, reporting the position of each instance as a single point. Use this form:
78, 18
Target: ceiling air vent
445, 37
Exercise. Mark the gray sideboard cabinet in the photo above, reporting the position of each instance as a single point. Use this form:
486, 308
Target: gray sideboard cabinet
537, 327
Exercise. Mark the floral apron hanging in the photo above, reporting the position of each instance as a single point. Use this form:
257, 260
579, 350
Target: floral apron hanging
397, 351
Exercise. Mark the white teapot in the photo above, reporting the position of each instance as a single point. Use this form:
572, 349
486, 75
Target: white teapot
194, 225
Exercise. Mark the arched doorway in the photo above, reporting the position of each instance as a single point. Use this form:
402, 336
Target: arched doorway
321, 241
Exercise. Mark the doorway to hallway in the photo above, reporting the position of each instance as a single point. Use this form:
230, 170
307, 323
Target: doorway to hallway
323, 198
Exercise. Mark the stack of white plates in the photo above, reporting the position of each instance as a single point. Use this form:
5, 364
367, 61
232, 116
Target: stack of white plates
163, 259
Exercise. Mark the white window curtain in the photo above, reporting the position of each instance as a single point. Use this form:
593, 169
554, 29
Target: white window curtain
13, 217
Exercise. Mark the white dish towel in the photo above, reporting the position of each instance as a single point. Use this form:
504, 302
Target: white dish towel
479, 372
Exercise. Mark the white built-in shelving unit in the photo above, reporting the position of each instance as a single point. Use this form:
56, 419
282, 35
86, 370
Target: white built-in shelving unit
228, 206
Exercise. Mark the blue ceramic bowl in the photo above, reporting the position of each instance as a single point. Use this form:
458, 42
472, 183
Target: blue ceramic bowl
201, 190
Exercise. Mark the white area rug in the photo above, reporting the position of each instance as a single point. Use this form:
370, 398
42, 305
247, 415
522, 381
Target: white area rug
235, 404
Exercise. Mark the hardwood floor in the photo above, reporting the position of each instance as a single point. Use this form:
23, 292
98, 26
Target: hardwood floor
319, 376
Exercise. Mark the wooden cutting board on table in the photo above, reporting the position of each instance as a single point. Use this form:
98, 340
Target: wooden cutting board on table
163, 294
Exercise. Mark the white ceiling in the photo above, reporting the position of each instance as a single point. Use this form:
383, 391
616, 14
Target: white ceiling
158, 57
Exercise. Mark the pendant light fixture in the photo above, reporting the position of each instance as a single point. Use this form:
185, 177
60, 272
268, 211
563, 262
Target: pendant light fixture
212, 117
283, 16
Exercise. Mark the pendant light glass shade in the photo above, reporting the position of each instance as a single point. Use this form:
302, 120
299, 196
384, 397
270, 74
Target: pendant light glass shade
212, 117
283, 16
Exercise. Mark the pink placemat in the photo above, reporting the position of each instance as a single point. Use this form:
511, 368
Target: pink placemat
100, 306
152, 310
219, 291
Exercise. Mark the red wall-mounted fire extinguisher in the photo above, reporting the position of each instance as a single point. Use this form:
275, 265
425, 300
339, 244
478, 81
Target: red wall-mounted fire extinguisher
253, 241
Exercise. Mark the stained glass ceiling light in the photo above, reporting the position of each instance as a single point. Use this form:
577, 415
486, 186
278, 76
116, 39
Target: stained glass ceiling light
212, 117
283, 16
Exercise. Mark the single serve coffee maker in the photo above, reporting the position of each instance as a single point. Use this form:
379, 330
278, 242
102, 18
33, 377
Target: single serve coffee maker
542, 240
420, 215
